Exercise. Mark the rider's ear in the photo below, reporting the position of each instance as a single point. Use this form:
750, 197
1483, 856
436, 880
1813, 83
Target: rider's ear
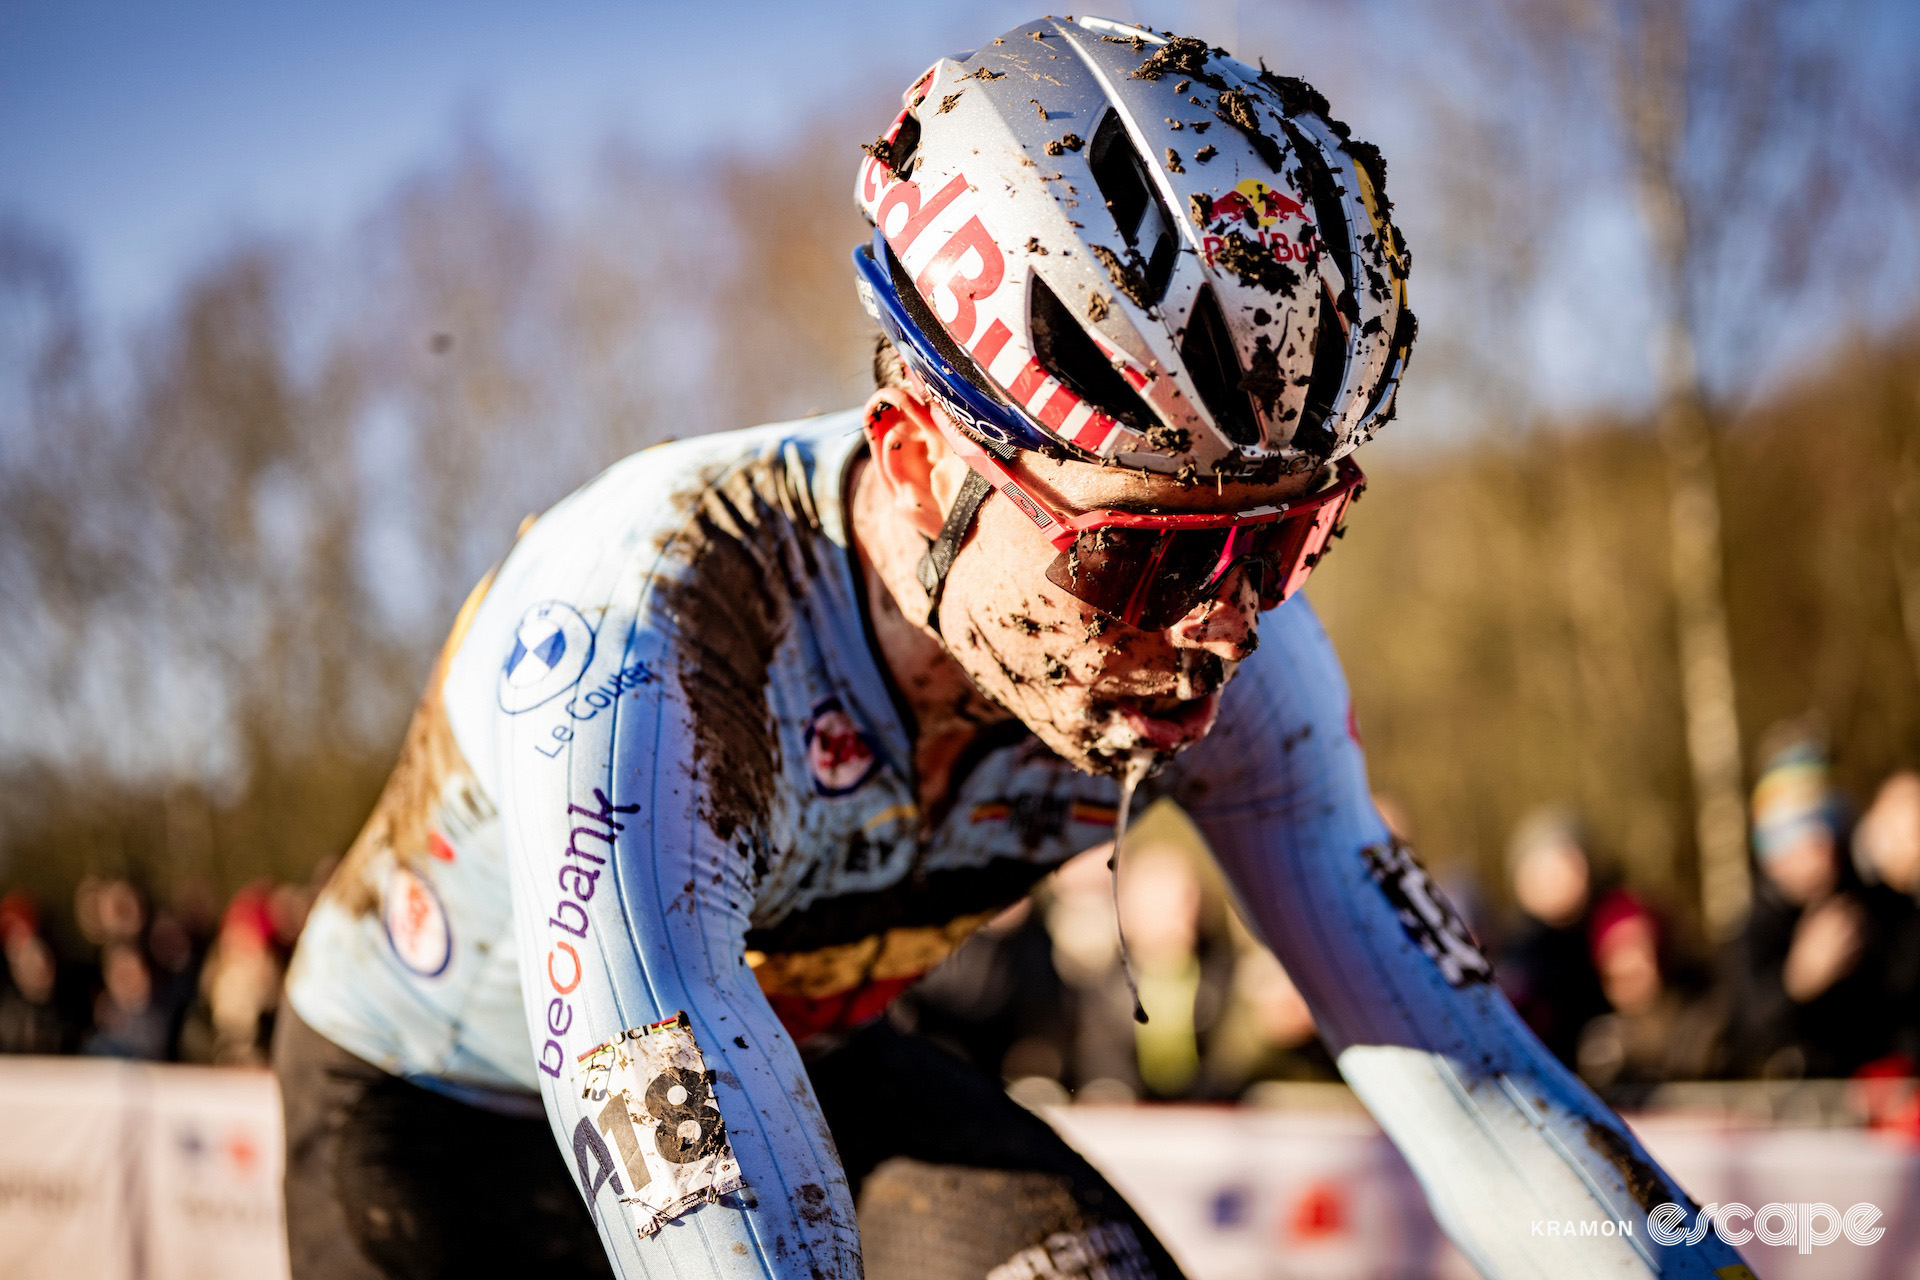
912, 458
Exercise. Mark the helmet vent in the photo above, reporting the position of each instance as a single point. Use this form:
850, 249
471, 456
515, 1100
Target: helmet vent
1207, 352
1328, 214
1064, 350
1323, 383
1134, 201
906, 147
1314, 435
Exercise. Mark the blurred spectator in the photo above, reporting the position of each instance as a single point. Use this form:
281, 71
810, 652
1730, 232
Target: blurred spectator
158, 982
1086, 954
997, 1001
1886, 851
128, 1022
1804, 993
1268, 1032
1887, 841
232, 1024
1547, 970
1653, 1030
1183, 962
1183, 973
30, 1019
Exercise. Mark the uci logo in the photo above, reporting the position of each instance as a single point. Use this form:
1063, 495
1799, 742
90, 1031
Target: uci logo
551, 649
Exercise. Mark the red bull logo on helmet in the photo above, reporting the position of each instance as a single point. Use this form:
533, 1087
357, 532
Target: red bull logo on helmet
1264, 215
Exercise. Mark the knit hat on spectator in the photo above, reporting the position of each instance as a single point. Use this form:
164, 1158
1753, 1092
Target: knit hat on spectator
1793, 799
1616, 910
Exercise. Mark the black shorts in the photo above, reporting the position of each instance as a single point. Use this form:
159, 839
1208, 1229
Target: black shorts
952, 1179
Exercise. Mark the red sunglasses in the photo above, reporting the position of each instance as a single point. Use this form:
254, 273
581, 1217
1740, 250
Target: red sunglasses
1149, 571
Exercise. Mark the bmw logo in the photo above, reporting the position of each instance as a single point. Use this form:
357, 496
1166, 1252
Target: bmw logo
551, 649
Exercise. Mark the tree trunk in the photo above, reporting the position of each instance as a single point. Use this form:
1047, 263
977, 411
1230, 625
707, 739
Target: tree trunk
1653, 86
1906, 539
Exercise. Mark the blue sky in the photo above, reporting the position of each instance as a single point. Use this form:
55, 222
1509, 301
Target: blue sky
144, 136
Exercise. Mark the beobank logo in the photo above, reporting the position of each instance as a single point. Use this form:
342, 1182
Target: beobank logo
1261, 214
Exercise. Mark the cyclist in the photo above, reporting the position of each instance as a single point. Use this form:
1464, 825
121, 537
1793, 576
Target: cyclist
748, 733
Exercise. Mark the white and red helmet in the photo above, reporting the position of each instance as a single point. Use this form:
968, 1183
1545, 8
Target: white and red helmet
1129, 246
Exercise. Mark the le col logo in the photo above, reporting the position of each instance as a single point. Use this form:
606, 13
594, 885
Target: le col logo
1774, 1224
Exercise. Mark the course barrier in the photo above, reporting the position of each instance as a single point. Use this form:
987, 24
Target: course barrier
130, 1172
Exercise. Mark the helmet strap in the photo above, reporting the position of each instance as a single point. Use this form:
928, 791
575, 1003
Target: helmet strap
932, 571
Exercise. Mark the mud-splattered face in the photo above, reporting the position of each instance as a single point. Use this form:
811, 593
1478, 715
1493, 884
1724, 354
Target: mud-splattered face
1092, 688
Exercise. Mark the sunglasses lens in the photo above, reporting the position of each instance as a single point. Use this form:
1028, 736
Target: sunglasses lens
1301, 549
1103, 568
1147, 578
1151, 578
1182, 577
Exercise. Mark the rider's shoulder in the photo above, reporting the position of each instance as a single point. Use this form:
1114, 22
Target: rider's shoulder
575, 575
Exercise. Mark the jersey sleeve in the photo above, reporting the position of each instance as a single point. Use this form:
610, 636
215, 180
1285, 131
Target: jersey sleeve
675, 1097
1499, 1133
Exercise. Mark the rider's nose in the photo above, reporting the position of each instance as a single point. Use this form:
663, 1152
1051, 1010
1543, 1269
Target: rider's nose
1225, 624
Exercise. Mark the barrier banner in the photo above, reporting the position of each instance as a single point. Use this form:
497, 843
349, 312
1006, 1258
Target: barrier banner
124, 1171
1273, 1194
65, 1172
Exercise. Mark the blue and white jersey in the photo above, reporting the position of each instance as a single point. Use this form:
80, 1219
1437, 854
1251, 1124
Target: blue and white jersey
655, 819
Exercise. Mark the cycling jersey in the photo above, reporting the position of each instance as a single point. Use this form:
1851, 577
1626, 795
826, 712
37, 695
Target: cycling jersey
655, 822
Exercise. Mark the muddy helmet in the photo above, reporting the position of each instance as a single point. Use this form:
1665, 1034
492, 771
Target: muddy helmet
1124, 246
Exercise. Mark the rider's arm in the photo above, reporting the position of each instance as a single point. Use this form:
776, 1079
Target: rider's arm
631, 890
1498, 1132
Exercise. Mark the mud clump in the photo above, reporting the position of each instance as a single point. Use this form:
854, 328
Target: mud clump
727, 610
1206, 153
1644, 1183
1023, 624
1128, 274
881, 149
1173, 161
1098, 306
1256, 265
1297, 97
1200, 206
1183, 56
1236, 108
1263, 380
946, 104
1374, 165
1169, 440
